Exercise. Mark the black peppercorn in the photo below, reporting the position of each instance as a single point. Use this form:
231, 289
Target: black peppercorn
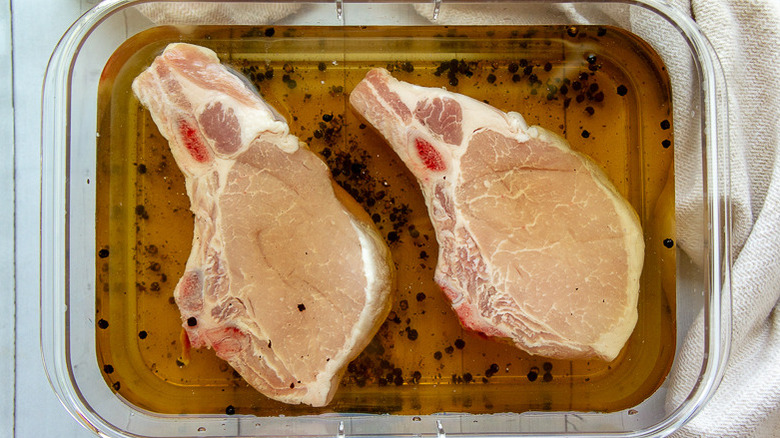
301, 307
513, 67
665, 125
547, 67
270, 32
668, 243
102, 323
142, 334
412, 335
491, 78
192, 321
392, 237
460, 343
622, 90
666, 143
585, 134
230, 410
532, 375
103, 253
589, 110
437, 355
322, 66
420, 296
108, 369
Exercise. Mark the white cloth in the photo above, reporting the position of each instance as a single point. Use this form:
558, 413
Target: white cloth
746, 38
217, 13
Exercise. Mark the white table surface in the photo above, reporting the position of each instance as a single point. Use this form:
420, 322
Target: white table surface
29, 408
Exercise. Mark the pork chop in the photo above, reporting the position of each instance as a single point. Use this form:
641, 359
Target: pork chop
288, 279
535, 244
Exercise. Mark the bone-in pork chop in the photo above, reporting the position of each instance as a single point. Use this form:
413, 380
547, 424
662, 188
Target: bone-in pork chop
287, 280
535, 244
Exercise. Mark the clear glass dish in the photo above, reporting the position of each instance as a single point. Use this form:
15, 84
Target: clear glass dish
107, 268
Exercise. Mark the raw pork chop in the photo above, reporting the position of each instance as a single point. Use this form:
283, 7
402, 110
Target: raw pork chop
287, 280
535, 244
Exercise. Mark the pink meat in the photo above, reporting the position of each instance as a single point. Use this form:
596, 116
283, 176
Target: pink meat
535, 244
262, 286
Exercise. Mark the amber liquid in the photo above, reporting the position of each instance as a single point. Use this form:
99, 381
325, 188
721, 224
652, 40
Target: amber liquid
602, 89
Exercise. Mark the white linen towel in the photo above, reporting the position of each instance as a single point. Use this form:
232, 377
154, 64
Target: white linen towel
746, 37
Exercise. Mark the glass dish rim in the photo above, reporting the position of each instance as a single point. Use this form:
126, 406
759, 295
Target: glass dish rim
55, 143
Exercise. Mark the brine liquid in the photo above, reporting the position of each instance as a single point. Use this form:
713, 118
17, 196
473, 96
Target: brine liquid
602, 89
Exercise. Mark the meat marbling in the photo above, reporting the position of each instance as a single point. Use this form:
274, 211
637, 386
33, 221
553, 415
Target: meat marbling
535, 244
288, 279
